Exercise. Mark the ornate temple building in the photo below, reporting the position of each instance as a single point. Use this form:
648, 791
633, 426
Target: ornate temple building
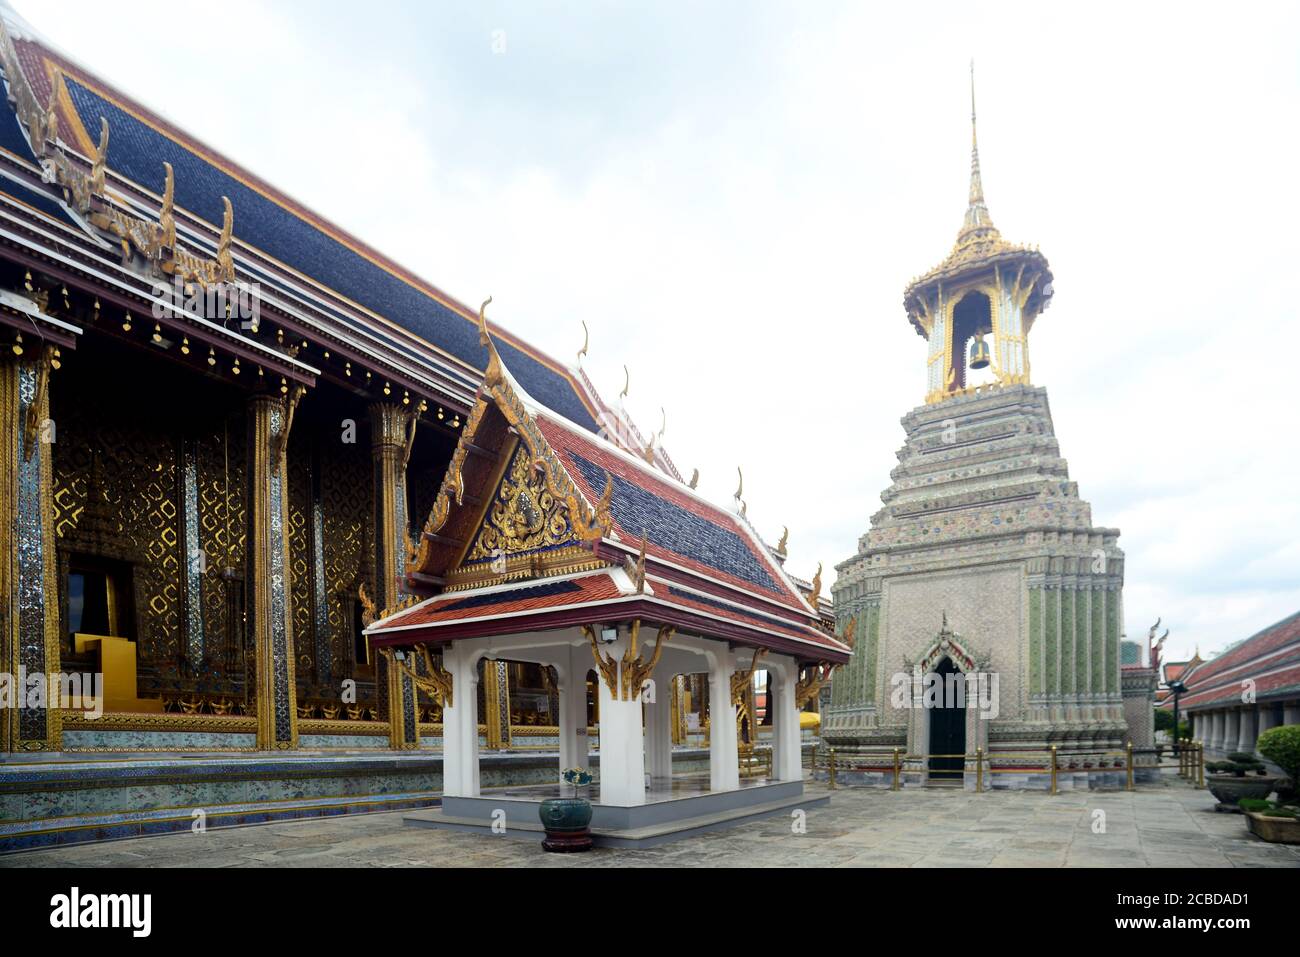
240, 446
984, 562
225, 425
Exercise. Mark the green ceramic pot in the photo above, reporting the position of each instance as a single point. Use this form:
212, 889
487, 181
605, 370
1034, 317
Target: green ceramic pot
566, 821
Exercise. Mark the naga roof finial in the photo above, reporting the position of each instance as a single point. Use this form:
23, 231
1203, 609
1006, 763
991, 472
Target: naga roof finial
586, 340
785, 540
493, 372
740, 489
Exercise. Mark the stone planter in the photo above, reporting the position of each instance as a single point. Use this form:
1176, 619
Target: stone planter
566, 821
1275, 830
1230, 789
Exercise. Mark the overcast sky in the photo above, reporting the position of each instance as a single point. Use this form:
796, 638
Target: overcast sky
733, 196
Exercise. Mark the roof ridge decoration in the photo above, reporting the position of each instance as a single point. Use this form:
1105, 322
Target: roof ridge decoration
816, 678
86, 192
587, 524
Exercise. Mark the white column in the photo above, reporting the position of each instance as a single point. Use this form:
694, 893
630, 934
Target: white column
1231, 727
1216, 732
573, 708
622, 750
787, 757
1267, 717
724, 761
1246, 734
658, 728
460, 776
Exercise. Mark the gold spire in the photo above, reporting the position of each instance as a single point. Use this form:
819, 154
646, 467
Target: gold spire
978, 224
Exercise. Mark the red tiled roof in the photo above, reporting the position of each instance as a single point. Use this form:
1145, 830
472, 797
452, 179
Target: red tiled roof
533, 596
756, 571
1270, 659
547, 604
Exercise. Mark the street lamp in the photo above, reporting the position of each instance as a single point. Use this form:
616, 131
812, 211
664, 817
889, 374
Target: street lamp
1177, 687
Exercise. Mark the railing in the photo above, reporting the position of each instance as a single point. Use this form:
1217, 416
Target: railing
1190, 764
755, 762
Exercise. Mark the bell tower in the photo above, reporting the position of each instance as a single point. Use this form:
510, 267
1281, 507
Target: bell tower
982, 527
986, 288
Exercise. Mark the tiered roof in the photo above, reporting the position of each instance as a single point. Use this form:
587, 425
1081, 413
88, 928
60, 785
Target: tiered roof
307, 262
1270, 659
540, 525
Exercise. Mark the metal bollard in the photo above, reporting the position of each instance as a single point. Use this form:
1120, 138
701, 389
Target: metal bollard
1200, 764
1053, 769
832, 769
897, 767
1129, 758
979, 770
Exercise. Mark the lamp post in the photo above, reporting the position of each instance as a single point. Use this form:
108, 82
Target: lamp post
1177, 687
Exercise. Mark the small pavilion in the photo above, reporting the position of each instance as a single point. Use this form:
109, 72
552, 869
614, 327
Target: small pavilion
552, 545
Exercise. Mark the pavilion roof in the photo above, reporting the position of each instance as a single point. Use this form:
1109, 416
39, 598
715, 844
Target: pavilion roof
539, 524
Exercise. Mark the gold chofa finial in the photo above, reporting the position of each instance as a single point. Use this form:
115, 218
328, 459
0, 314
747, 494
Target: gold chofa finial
695, 479
586, 340
627, 383
785, 540
483, 338
815, 595
492, 375
740, 489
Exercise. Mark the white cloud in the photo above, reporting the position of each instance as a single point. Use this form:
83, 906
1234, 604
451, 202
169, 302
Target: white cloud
736, 220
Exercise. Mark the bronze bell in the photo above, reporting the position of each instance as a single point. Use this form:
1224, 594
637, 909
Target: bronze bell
979, 354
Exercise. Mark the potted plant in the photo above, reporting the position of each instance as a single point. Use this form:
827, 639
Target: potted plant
1272, 822
566, 819
1282, 747
1240, 776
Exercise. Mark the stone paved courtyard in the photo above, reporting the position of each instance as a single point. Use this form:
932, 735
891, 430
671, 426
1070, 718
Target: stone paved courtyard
1171, 826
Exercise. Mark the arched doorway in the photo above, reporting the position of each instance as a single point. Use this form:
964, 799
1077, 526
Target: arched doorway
947, 709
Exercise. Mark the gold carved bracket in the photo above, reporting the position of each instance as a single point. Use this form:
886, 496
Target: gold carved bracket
625, 677
428, 676
742, 680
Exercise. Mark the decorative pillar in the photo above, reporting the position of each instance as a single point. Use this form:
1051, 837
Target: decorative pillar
404, 727
29, 645
1291, 713
679, 708
724, 761
390, 437
496, 700
270, 613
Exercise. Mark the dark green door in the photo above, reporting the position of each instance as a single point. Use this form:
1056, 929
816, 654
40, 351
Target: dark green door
948, 724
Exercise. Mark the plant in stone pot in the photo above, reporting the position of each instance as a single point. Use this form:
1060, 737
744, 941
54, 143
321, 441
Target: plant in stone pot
1240, 776
1282, 747
566, 819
